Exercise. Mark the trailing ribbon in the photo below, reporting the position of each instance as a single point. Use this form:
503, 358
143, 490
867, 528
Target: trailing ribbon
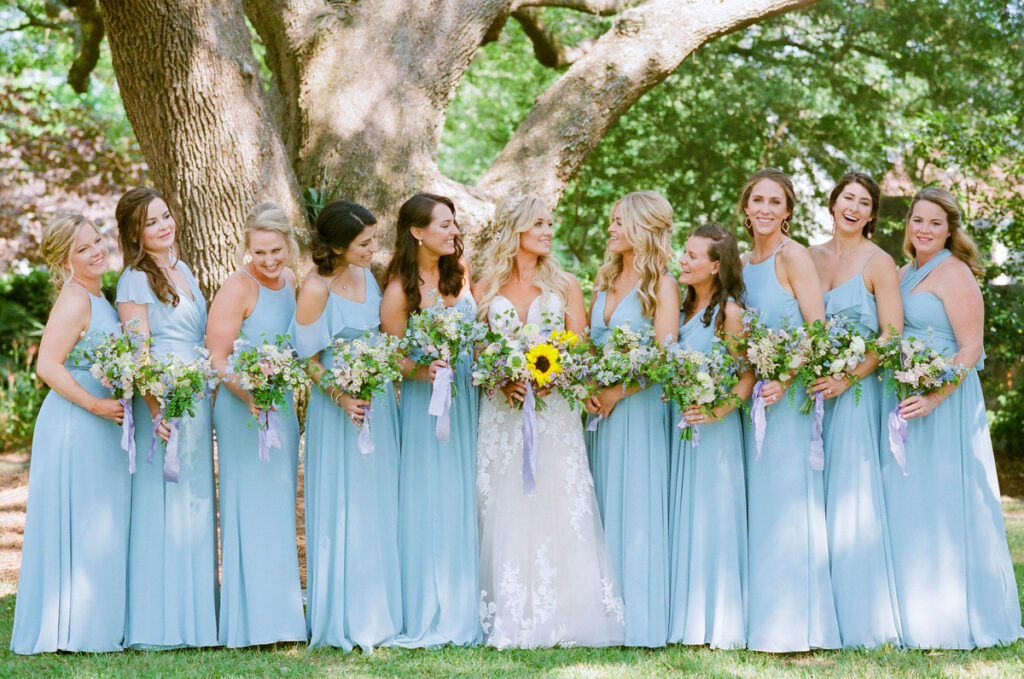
529, 441
441, 402
694, 436
152, 444
364, 442
757, 414
817, 457
898, 438
267, 435
592, 425
172, 465
128, 434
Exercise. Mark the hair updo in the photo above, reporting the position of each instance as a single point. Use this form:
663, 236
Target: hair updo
269, 217
58, 239
338, 224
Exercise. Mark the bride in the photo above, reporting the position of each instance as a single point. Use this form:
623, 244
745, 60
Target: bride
545, 577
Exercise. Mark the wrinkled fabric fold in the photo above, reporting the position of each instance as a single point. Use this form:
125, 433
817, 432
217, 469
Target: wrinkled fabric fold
441, 403
817, 455
757, 415
530, 462
898, 438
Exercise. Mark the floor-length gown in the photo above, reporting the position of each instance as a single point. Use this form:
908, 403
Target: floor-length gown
629, 459
858, 541
354, 595
260, 593
74, 559
172, 554
437, 525
955, 583
707, 522
545, 577
789, 590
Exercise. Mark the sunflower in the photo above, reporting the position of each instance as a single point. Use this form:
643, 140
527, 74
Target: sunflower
566, 337
542, 361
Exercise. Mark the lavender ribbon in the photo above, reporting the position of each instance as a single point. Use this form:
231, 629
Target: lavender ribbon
592, 425
529, 441
152, 443
441, 403
817, 457
128, 434
757, 414
172, 465
364, 442
898, 438
695, 436
268, 435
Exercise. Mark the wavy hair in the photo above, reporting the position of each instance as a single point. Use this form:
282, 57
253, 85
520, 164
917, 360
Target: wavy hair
269, 217
338, 224
56, 243
780, 178
404, 265
959, 243
873, 190
514, 216
647, 224
728, 282
131, 213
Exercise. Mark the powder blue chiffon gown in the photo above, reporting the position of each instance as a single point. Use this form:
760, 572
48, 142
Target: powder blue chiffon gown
629, 458
71, 590
789, 590
858, 540
954, 578
707, 522
353, 587
437, 526
260, 592
172, 556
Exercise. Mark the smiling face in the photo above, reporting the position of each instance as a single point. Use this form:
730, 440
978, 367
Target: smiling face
927, 228
537, 239
618, 241
87, 258
853, 209
696, 265
159, 229
439, 235
766, 208
269, 252
360, 252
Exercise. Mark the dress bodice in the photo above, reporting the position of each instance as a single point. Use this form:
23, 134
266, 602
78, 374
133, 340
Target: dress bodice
103, 322
272, 316
628, 312
767, 296
546, 311
176, 330
341, 318
851, 300
694, 335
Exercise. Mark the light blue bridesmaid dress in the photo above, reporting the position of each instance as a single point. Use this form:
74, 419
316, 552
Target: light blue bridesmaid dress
354, 595
707, 522
858, 542
789, 591
260, 592
629, 458
172, 555
71, 591
437, 524
954, 579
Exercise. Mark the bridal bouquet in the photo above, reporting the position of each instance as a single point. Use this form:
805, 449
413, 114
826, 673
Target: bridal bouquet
442, 333
178, 386
628, 357
363, 367
269, 372
836, 349
690, 378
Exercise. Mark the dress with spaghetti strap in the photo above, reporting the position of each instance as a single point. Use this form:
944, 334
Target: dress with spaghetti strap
954, 578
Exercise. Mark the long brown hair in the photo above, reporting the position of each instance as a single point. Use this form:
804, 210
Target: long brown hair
780, 178
728, 282
959, 243
417, 212
873, 190
131, 214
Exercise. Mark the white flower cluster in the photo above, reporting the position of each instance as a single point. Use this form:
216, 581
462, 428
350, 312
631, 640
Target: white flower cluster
627, 357
441, 332
364, 366
268, 371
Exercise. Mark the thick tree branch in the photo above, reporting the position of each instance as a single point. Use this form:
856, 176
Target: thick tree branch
598, 7
644, 46
88, 38
33, 20
547, 45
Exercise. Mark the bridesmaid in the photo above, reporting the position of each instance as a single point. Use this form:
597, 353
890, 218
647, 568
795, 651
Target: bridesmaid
789, 591
71, 591
954, 579
861, 287
707, 495
629, 450
352, 582
172, 562
261, 596
437, 509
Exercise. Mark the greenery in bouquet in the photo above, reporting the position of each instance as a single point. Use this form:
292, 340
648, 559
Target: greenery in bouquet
364, 366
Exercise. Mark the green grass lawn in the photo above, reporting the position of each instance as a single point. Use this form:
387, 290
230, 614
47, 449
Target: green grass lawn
291, 660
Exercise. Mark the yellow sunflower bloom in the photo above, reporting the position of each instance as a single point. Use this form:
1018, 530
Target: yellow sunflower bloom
566, 337
543, 363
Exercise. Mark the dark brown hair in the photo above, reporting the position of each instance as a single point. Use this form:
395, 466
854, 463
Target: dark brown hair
131, 213
728, 282
417, 212
777, 176
874, 191
338, 224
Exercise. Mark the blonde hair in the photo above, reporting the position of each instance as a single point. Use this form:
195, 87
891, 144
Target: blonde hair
514, 216
647, 223
958, 242
269, 217
58, 239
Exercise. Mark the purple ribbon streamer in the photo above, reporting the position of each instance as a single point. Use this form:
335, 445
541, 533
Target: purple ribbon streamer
592, 425
757, 414
441, 403
694, 436
365, 439
268, 435
128, 434
529, 441
817, 457
172, 465
898, 438
152, 444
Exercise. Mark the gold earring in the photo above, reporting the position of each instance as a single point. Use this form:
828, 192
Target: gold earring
785, 227
747, 223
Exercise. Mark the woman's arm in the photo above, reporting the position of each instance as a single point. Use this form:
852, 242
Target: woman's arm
233, 303
666, 316
575, 307
733, 327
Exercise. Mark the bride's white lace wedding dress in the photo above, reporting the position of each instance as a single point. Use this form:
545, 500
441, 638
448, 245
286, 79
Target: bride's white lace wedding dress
545, 577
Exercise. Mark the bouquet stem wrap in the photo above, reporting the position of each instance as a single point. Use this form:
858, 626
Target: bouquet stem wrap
898, 438
268, 434
695, 434
441, 403
529, 441
365, 439
817, 457
757, 415
128, 434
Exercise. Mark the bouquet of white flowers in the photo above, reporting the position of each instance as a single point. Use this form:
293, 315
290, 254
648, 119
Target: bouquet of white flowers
693, 378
